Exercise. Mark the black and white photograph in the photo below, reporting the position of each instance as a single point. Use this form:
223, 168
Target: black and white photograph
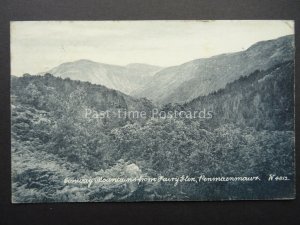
152, 110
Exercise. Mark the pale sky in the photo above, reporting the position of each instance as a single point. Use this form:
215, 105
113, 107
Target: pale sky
39, 46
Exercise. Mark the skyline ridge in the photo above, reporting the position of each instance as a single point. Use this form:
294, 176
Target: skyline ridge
148, 64
161, 43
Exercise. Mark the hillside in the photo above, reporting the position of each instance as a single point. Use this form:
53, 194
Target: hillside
52, 112
263, 100
200, 77
251, 133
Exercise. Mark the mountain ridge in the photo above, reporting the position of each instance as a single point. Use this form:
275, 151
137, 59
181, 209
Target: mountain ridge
202, 76
184, 82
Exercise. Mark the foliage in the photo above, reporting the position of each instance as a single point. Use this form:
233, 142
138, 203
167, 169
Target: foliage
250, 134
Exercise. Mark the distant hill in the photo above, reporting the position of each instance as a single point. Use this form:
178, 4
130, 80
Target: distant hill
179, 84
123, 78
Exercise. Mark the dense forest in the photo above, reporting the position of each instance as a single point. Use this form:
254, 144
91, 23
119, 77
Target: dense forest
250, 134
263, 100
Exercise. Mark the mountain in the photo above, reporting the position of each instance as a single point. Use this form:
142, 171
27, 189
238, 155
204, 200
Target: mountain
203, 76
182, 83
123, 78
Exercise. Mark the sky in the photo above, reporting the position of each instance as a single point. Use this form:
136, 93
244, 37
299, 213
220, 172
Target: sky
38, 46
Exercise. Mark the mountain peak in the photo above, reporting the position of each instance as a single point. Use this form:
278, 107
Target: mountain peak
84, 61
281, 41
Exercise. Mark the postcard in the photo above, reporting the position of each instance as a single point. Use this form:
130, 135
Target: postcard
130, 111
